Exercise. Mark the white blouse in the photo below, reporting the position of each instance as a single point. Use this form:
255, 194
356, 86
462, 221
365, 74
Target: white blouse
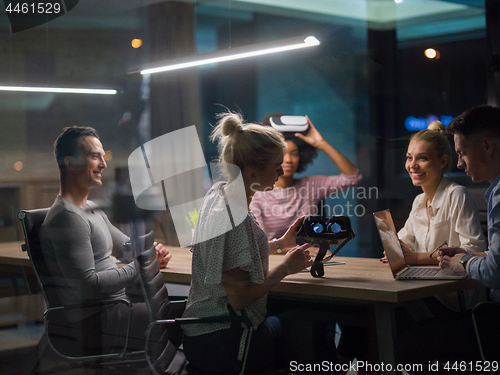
452, 216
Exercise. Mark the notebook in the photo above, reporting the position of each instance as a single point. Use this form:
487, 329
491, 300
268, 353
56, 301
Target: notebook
400, 269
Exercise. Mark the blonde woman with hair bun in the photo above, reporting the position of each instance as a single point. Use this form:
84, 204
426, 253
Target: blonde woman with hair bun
439, 126
230, 270
444, 214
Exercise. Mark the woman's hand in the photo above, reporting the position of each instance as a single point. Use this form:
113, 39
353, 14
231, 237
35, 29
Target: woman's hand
162, 254
315, 139
313, 136
241, 293
288, 240
297, 259
409, 254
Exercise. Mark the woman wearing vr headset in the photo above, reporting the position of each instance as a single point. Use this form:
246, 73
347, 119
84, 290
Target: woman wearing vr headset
230, 268
277, 209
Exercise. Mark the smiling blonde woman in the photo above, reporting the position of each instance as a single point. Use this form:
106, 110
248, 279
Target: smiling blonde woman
443, 212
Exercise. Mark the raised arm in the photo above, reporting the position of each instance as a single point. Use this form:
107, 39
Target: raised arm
315, 139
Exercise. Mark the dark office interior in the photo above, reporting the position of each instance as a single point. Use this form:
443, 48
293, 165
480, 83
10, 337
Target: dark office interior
360, 87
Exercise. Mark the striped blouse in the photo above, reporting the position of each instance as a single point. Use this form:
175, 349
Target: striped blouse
277, 209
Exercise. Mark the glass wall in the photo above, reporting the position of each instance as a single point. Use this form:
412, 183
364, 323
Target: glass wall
367, 79
367, 87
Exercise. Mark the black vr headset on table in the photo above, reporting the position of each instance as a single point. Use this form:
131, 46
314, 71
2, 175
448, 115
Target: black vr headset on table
318, 230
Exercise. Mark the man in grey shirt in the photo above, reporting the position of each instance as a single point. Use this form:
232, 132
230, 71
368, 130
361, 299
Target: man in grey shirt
78, 240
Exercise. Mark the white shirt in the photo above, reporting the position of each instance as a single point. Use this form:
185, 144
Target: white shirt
244, 247
452, 216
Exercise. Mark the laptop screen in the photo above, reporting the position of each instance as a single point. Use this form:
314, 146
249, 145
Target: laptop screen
390, 241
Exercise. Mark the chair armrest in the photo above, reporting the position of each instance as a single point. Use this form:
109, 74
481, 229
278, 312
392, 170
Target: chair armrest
83, 306
89, 304
210, 319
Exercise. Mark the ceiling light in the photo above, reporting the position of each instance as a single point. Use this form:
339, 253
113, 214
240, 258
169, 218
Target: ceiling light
58, 90
431, 53
233, 54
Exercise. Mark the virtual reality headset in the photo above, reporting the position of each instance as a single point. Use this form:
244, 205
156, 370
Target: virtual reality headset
324, 232
290, 124
334, 230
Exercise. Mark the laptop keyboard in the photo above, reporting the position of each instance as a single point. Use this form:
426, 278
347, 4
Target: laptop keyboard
421, 271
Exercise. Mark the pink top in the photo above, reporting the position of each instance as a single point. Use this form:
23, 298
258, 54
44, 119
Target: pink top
277, 209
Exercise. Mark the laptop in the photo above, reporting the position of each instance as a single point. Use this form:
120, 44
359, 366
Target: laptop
400, 269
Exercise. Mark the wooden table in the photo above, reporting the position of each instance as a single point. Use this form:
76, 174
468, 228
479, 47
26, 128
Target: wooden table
15, 262
12, 255
364, 281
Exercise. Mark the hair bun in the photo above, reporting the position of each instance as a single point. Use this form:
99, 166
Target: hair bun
231, 123
438, 126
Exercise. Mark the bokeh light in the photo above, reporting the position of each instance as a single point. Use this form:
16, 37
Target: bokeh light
136, 43
431, 53
108, 155
18, 165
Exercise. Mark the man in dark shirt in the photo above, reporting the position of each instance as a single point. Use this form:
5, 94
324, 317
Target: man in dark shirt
78, 241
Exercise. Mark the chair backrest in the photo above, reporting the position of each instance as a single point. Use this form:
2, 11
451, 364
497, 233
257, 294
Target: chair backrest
482, 207
154, 291
68, 339
32, 221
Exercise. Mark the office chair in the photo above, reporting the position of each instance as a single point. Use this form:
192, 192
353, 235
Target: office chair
485, 317
163, 336
79, 341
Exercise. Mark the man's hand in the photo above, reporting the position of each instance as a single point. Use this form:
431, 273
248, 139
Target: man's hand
450, 251
449, 257
162, 254
451, 262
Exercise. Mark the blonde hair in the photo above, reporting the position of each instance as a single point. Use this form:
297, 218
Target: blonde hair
245, 145
436, 134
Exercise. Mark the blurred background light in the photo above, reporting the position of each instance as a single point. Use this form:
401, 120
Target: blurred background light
136, 43
431, 53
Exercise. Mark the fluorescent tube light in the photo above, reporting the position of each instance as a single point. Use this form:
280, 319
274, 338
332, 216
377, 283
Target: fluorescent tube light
57, 90
234, 54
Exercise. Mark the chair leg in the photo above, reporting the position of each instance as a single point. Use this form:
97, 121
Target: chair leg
33, 361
